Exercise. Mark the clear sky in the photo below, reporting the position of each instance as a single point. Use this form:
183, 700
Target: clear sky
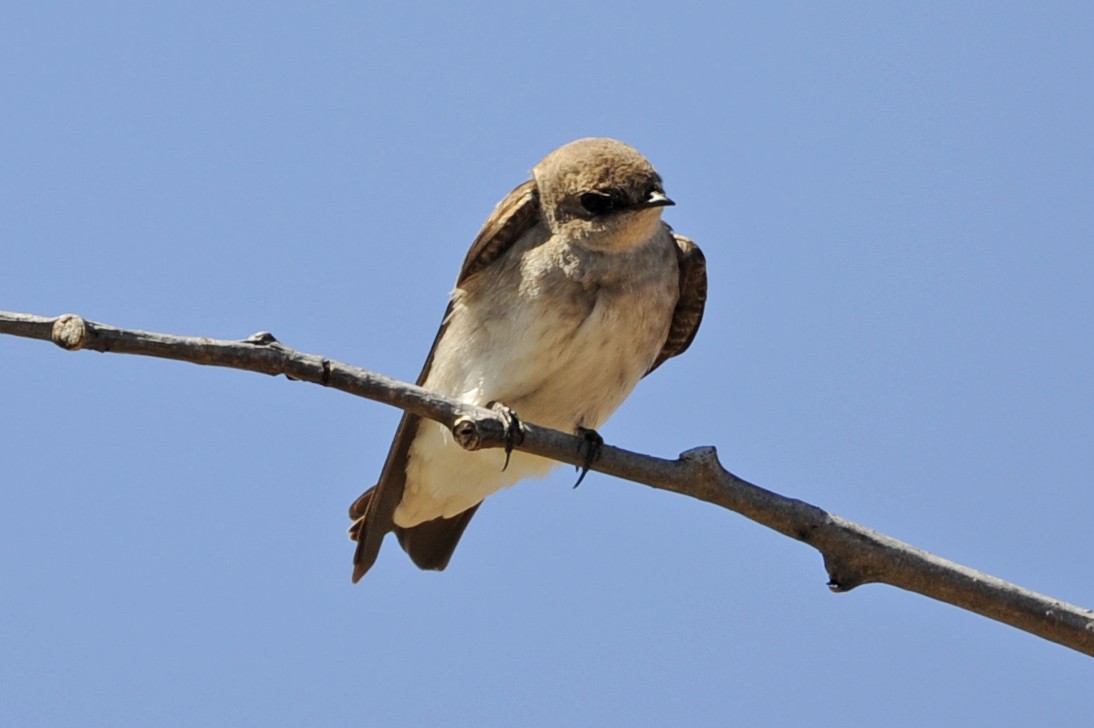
897, 207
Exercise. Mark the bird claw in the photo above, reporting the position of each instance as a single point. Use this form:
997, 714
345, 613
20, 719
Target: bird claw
592, 444
514, 429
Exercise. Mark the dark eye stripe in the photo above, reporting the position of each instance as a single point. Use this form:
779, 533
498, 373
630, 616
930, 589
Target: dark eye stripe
598, 203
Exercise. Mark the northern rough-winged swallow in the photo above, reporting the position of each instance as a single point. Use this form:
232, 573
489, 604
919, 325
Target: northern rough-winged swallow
573, 290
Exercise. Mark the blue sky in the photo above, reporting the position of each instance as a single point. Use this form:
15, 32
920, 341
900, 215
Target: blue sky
896, 208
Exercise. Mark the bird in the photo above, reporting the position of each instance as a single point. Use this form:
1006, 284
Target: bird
573, 290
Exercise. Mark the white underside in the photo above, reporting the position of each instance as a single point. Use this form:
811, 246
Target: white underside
558, 354
459, 478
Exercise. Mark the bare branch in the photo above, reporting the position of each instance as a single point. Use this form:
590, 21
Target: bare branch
853, 554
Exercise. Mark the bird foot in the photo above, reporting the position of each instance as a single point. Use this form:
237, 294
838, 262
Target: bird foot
592, 444
514, 428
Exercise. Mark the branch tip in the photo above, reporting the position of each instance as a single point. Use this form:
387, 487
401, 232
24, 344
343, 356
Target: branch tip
264, 338
843, 576
704, 457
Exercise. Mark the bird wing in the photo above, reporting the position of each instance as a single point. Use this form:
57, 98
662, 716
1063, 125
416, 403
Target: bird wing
515, 215
430, 544
693, 297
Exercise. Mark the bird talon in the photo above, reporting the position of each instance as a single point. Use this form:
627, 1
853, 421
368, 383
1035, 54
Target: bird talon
592, 444
514, 429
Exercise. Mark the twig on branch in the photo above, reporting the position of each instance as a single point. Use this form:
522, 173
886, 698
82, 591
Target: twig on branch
853, 554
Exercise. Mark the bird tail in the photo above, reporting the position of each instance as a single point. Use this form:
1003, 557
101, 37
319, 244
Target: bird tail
429, 545
368, 539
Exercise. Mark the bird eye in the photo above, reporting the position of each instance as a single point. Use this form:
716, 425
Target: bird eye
597, 203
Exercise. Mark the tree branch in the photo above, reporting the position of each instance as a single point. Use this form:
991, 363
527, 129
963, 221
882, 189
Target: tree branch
853, 554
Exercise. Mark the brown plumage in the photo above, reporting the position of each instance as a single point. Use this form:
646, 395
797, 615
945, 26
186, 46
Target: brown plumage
582, 237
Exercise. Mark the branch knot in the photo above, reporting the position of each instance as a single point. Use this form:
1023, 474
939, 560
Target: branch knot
475, 433
71, 332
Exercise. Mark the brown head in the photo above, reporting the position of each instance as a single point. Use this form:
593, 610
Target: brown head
600, 192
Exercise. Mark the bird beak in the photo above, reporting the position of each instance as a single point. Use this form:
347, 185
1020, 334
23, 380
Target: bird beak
655, 199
